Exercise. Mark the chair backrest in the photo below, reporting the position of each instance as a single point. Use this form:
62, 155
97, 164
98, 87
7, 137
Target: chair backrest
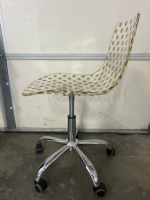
103, 80
118, 55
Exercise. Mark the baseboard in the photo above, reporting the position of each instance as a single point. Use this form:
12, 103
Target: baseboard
88, 131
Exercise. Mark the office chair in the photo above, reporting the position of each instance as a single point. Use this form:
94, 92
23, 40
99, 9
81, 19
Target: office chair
97, 83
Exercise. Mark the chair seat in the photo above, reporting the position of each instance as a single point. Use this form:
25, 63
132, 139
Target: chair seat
92, 84
103, 80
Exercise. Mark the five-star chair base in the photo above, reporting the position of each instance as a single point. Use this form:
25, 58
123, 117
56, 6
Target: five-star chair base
72, 144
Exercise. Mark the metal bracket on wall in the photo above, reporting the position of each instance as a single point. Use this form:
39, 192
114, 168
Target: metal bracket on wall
5, 87
148, 129
48, 56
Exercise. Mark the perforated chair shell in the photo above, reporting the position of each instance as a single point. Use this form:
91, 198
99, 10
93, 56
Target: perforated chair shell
99, 82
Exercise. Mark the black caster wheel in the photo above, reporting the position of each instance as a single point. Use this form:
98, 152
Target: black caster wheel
40, 186
111, 152
101, 190
39, 148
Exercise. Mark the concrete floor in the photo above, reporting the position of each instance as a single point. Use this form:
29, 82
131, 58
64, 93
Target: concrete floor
126, 175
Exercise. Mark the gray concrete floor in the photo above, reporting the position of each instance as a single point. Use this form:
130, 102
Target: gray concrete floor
126, 175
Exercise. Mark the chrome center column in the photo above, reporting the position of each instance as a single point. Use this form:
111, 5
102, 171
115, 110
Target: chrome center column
71, 121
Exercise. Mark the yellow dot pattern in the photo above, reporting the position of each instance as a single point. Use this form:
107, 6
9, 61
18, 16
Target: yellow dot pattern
103, 80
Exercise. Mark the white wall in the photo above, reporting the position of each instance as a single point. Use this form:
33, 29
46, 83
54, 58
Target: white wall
52, 26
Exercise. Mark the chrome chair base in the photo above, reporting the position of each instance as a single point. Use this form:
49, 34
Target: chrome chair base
75, 147
72, 144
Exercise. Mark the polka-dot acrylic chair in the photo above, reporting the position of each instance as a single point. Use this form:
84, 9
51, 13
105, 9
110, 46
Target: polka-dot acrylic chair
99, 82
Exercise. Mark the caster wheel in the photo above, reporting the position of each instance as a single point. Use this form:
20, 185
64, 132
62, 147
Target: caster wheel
41, 185
101, 190
111, 152
39, 148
